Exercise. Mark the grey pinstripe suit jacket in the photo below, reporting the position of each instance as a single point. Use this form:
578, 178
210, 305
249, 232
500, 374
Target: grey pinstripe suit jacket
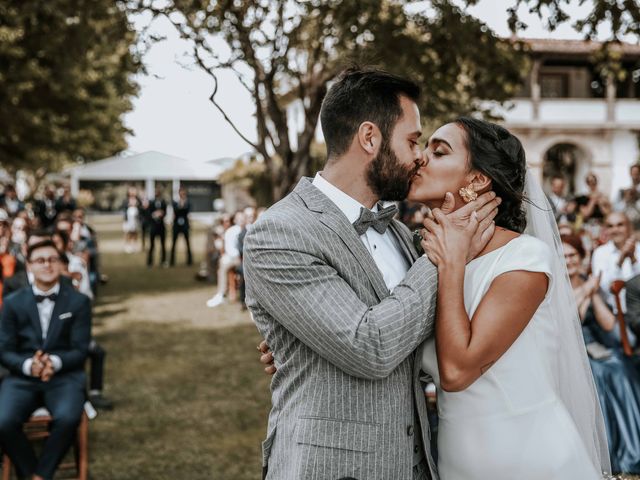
346, 393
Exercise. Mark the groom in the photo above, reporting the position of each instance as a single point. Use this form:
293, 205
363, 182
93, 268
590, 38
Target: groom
343, 299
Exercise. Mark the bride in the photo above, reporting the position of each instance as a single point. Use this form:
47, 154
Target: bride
515, 394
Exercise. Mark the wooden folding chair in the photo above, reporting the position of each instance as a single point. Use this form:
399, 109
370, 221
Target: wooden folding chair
616, 287
37, 428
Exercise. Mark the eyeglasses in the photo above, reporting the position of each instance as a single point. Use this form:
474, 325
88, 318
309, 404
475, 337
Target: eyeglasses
42, 261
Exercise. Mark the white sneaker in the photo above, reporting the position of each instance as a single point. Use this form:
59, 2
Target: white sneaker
217, 299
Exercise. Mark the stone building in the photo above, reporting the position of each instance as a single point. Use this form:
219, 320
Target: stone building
571, 121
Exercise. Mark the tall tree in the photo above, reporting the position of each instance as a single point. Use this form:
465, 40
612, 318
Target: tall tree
66, 79
286, 52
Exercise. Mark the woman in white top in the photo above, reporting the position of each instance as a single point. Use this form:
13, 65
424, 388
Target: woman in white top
131, 222
515, 394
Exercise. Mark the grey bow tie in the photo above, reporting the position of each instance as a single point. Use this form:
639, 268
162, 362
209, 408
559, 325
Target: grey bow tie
379, 221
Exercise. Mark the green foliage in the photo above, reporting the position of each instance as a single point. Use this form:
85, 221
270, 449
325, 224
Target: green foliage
253, 177
622, 17
287, 52
66, 71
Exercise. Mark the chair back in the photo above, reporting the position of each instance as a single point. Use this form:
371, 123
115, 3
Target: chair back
616, 287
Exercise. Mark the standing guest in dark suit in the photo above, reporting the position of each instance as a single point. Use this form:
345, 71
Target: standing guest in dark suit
66, 203
46, 209
158, 210
145, 220
181, 210
45, 330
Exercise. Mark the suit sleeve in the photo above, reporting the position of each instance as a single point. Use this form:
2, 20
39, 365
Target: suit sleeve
10, 358
308, 297
74, 357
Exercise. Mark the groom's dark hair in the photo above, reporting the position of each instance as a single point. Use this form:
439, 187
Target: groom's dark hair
361, 95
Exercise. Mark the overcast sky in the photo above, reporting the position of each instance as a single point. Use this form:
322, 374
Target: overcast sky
173, 115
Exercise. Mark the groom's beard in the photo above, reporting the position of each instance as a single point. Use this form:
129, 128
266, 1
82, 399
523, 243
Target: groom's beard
387, 177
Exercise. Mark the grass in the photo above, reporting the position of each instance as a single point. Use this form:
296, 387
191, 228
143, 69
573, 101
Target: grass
191, 403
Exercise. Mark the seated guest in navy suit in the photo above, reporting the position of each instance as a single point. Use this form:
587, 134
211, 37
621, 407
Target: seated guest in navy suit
45, 329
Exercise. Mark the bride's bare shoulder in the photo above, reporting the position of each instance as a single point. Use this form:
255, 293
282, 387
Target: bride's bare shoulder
500, 238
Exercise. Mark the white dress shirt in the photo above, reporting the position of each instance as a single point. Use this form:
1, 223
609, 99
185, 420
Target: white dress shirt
605, 259
558, 202
45, 309
383, 247
231, 236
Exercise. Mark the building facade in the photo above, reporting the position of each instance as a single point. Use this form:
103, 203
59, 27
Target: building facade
571, 121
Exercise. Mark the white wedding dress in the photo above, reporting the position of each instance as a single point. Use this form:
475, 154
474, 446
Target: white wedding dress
509, 424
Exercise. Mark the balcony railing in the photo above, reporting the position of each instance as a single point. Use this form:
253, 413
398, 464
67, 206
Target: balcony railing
578, 112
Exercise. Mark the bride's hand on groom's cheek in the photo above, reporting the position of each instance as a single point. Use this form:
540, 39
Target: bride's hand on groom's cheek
445, 242
486, 208
266, 358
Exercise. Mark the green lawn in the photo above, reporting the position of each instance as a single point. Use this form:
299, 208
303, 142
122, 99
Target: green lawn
191, 403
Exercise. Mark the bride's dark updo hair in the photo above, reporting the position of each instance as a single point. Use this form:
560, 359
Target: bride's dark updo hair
499, 155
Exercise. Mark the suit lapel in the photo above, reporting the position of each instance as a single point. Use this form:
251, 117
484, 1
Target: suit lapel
404, 239
34, 315
55, 323
333, 218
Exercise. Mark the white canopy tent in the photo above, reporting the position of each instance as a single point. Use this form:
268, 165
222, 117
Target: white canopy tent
147, 167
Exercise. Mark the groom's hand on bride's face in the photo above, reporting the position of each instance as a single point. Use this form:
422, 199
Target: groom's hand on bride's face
266, 358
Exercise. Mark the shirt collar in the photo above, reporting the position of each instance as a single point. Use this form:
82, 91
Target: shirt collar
55, 289
347, 204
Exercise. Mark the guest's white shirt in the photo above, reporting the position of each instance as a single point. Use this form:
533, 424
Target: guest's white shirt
45, 309
77, 264
384, 248
559, 203
231, 236
605, 259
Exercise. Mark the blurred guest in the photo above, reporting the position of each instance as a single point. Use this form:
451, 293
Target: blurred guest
213, 249
618, 258
629, 198
85, 241
10, 203
131, 222
229, 260
250, 216
563, 207
97, 356
46, 210
615, 375
594, 205
181, 210
66, 202
20, 278
158, 211
46, 362
19, 232
78, 270
145, 220
7, 260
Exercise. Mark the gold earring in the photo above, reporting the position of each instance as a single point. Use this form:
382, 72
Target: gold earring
468, 194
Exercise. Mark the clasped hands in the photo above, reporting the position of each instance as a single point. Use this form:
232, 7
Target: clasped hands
42, 366
459, 236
